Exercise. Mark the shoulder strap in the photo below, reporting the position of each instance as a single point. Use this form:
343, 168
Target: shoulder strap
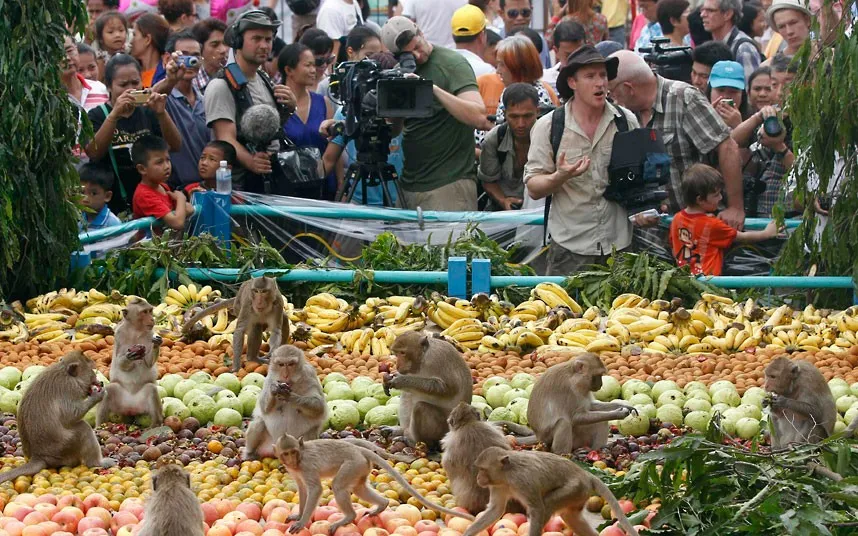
558, 124
104, 109
621, 121
501, 134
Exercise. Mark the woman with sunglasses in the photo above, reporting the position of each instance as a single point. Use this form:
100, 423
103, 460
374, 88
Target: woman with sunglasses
297, 67
322, 47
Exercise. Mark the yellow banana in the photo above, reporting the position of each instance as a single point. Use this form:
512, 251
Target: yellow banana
591, 314
493, 343
457, 312
714, 298
699, 348
402, 312
604, 344
396, 301
324, 300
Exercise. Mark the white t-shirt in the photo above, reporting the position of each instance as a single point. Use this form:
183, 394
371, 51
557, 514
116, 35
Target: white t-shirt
337, 18
479, 66
433, 17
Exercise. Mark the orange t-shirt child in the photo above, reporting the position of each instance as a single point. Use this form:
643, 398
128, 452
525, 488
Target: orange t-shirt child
699, 240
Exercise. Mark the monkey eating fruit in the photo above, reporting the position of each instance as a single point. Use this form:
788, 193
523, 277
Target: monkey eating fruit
291, 402
349, 465
802, 409
258, 306
50, 418
544, 483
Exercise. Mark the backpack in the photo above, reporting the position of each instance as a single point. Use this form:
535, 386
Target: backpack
734, 43
302, 7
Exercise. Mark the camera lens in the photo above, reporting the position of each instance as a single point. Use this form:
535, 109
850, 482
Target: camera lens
190, 61
772, 126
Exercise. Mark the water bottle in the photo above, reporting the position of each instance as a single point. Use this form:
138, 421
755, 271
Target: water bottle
224, 179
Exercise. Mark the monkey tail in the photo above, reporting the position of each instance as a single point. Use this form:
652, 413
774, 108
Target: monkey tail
211, 309
378, 450
606, 494
28, 469
381, 462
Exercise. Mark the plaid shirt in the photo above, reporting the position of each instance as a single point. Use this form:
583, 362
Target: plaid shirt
690, 127
747, 53
201, 81
774, 175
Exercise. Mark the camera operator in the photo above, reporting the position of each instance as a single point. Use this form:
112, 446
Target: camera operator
690, 126
439, 150
584, 226
227, 98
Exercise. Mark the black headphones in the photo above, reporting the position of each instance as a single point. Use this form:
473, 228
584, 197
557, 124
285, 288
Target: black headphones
234, 35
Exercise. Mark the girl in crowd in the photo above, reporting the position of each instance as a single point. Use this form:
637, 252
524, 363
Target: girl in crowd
760, 89
726, 92
117, 126
298, 70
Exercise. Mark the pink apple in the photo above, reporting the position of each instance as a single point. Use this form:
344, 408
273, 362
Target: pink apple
503, 532
272, 504
320, 527
368, 522
405, 530
427, 533
275, 525
91, 523
210, 513
125, 531
458, 524
35, 530
95, 531
101, 513
235, 517
249, 525
322, 513
223, 507
70, 500
273, 532
251, 510
613, 530
627, 506
411, 513
27, 498
278, 514
518, 519
121, 519
18, 511
524, 528
219, 530
14, 527
47, 509
95, 499
392, 524
424, 525
346, 530
47, 498
376, 532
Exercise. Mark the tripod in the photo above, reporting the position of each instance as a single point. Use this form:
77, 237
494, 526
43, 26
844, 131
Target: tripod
369, 175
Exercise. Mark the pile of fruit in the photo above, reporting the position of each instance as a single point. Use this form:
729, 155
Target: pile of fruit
551, 320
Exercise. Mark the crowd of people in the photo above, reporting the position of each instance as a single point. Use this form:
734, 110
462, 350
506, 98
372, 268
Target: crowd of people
520, 118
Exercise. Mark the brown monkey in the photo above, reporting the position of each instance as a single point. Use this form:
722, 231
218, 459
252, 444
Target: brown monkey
467, 438
50, 417
801, 406
173, 509
433, 378
133, 370
291, 402
544, 483
562, 411
348, 465
258, 306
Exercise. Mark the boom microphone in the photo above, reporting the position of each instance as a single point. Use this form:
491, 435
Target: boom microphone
260, 125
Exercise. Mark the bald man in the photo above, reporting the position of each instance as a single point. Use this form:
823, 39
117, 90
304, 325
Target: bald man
692, 130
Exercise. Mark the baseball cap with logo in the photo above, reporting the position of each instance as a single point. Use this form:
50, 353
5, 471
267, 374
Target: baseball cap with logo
467, 21
398, 32
727, 74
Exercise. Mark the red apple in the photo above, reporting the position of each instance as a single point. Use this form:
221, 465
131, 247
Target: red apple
275, 525
347, 529
47, 509
272, 504
91, 523
555, 524
219, 530
322, 513
424, 525
249, 526
518, 519
70, 500
210, 514
95, 531
613, 530
68, 518
121, 519
251, 510
18, 511
95, 499
627, 506
368, 522
47, 498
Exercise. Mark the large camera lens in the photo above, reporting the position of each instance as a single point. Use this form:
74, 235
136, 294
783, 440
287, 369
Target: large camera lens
772, 126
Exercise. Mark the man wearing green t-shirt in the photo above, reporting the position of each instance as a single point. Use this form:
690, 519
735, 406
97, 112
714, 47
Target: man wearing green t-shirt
439, 171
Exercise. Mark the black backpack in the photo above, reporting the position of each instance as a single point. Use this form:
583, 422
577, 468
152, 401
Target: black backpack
734, 43
302, 7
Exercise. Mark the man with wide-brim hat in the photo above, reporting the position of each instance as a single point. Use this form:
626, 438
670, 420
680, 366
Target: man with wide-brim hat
791, 20
584, 226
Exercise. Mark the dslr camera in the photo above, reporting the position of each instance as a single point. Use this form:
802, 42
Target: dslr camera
671, 62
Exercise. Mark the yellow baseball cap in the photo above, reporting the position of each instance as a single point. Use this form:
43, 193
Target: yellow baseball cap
468, 20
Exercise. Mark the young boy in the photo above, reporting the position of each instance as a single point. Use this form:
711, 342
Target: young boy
152, 197
96, 183
213, 153
699, 239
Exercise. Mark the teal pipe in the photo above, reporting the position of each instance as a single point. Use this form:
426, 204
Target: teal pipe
353, 212
109, 232
318, 276
726, 281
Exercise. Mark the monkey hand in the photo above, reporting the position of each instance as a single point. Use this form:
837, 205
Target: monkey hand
295, 528
628, 410
293, 517
157, 340
283, 389
774, 401
387, 382
97, 391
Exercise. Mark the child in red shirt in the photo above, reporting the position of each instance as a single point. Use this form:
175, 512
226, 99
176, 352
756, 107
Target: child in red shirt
699, 239
152, 197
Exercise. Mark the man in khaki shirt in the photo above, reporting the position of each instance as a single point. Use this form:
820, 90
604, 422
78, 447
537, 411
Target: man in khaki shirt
584, 226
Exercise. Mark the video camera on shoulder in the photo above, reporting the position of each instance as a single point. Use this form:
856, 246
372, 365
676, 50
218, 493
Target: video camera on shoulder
672, 62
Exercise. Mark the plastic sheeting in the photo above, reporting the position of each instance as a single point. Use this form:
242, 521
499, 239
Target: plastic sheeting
327, 234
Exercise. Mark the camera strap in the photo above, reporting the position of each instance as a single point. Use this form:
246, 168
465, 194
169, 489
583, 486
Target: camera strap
558, 124
113, 157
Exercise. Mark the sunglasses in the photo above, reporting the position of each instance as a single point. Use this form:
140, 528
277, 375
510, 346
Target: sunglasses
514, 13
326, 60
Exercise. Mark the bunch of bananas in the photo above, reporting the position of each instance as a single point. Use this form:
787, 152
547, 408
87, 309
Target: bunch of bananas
446, 311
553, 295
12, 329
47, 327
368, 341
219, 323
466, 332
330, 314
186, 296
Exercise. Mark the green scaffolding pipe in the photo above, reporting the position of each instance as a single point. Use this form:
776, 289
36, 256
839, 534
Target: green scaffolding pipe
318, 276
726, 281
109, 232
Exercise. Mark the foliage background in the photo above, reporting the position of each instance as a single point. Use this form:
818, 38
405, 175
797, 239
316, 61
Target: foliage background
38, 124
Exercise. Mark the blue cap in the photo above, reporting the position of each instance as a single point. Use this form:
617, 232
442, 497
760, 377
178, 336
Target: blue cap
727, 74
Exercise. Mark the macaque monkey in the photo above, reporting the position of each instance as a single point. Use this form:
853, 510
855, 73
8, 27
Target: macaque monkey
50, 418
544, 483
258, 306
562, 411
349, 465
467, 438
291, 402
173, 509
801, 406
433, 378
133, 371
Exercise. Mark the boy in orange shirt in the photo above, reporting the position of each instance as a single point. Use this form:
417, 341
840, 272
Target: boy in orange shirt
699, 239
152, 197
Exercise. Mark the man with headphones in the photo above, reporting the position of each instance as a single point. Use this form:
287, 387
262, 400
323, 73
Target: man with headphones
242, 84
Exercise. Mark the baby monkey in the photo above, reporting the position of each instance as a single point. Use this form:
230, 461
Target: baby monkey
173, 509
544, 483
349, 465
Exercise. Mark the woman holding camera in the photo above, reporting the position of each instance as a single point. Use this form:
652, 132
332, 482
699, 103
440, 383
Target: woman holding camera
130, 114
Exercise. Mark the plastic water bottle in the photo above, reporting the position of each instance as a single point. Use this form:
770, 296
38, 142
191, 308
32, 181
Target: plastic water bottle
224, 178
